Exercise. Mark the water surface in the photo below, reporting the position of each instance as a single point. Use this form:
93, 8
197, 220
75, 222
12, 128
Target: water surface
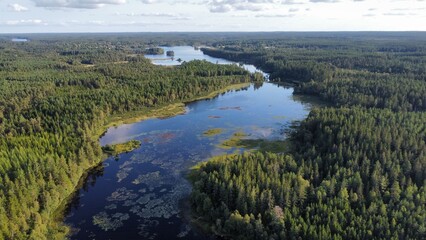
138, 195
188, 53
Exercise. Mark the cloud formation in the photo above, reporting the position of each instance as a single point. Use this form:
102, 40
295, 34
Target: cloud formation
221, 6
17, 7
90, 4
26, 22
275, 15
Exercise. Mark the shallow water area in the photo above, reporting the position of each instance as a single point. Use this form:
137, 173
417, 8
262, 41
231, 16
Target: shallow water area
138, 195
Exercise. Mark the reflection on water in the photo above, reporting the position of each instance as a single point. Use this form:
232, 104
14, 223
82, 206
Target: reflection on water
184, 53
188, 53
138, 196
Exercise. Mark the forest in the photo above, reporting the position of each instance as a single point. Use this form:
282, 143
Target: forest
355, 170
55, 96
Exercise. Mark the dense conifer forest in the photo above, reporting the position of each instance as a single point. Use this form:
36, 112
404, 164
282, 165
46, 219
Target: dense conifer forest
55, 96
354, 171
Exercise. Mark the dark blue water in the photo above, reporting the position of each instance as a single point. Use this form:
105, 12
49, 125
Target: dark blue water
139, 194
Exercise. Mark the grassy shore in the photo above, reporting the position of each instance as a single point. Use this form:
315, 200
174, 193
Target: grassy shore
212, 132
163, 111
121, 147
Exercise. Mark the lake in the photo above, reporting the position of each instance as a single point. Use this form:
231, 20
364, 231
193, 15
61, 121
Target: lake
188, 53
19, 40
139, 194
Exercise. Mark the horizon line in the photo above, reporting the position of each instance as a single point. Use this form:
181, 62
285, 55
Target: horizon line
162, 32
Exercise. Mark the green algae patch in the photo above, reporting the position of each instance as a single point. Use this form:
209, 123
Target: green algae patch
121, 147
234, 141
212, 132
110, 222
239, 140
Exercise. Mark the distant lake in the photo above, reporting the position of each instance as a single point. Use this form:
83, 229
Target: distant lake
19, 40
139, 195
188, 53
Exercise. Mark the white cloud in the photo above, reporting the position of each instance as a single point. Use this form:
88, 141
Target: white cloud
25, 22
221, 6
325, 1
201, 15
17, 7
91, 4
275, 15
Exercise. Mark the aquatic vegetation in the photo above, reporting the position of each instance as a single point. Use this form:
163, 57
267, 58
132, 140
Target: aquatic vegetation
161, 136
277, 146
233, 141
147, 178
184, 232
166, 136
230, 108
129, 203
145, 198
144, 228
157, 208
122, 194
212, 132
113, 222
111, 206
123, 173
121, 147
138, 158
239, 140
157, 169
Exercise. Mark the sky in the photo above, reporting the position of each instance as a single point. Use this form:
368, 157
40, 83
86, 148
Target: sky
39, 16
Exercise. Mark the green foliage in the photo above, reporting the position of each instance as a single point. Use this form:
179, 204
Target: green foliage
121, 147
363, 70
51, 108
154, 51
353, 175
213, 132
234, 141
356, 173
353, 172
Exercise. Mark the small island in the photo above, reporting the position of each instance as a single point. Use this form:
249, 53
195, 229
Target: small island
154, 51
212, 132
170, 53
121, 147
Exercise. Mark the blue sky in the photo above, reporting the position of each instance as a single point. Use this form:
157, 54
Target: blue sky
23, 16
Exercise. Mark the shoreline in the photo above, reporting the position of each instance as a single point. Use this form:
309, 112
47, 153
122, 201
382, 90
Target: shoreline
169, 110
